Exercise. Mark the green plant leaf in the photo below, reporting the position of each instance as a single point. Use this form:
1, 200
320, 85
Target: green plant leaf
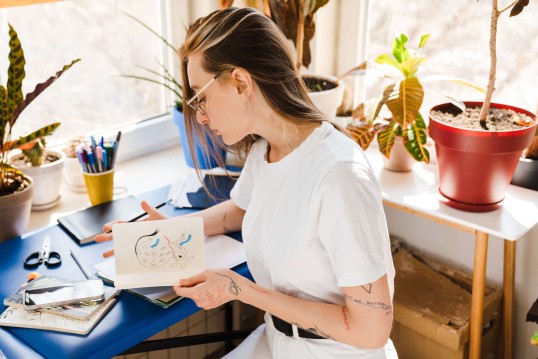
153, 31
415, 138
15, 72
385, 59
518, 7
399, 51
155, 82
42, 132
423, 40
404, 103
38, 89
385, 138
4, 116
410, 66
363, 134
457, 80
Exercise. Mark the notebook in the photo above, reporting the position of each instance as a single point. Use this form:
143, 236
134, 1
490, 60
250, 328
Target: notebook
188, 192
84, 225
221, 251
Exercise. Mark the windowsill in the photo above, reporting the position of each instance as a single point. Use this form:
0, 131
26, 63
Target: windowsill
132, 177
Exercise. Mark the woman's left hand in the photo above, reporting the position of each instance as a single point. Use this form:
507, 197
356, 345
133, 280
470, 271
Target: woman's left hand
211, 288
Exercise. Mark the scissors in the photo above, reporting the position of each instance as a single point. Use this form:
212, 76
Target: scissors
43, 256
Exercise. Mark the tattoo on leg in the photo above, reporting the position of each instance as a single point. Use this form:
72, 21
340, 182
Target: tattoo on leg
346, 321
224, 222
367, 288
375, 305
234, 288
315, 330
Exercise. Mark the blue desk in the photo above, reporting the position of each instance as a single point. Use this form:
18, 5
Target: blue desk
130, 321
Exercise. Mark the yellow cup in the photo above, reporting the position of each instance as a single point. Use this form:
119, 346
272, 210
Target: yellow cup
100, 186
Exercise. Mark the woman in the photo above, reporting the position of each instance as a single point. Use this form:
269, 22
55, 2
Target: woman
307, 201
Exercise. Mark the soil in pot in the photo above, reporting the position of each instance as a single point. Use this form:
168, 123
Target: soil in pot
21, 161
498, 119
315, 84
13, 184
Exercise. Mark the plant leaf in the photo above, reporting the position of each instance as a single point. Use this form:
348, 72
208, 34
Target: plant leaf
363, 134
405, 102
518, 7
385, 59
155, 82
410, 66
415, 138
152, 31
385, 138
399, 51
38, 89
423, 40
4, 116
15, 72
42, 132
457, 80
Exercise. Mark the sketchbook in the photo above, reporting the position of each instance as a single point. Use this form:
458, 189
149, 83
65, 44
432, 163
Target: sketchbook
188, 191
158, 253
82, 310
84, 225
221, 251
18, 317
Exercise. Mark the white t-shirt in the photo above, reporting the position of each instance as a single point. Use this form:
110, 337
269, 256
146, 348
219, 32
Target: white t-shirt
314, 220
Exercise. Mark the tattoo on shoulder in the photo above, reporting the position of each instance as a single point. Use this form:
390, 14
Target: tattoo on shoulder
233, 288
315, 330
374, 305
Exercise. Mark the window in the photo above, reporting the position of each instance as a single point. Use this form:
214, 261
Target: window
91, 97
459, 45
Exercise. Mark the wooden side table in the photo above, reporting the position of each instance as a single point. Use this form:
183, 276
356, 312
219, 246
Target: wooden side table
416, 192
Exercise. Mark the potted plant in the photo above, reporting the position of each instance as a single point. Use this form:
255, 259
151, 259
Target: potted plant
72, 173
526, 173
296, 20
393, 116
43, 165
478, 149
16, 189
193, 151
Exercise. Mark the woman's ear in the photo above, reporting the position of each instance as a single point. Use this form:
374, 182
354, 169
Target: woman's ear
242, 81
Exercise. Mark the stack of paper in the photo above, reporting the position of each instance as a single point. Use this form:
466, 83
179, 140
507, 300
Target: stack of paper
77, 318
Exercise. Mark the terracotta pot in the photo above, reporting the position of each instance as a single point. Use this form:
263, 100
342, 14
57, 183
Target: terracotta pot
400, 160
475, 167
15, 212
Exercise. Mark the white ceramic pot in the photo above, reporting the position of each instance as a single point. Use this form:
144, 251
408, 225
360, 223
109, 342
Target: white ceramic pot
400, 160
73, 175
328, 101
47, 180
15, 213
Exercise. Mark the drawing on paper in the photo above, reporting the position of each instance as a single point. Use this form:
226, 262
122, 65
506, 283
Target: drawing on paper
156, 250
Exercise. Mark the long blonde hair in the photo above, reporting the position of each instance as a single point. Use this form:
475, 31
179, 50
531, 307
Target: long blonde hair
245, 38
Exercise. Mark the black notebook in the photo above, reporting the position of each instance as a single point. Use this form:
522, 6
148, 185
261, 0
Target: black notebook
85, 224
188, 192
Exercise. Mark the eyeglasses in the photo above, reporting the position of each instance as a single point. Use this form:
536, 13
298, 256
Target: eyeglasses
195, 104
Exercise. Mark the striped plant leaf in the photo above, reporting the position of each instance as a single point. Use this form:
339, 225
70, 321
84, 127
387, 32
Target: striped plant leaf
385, 138
363, 134
4, 117
28, 139
415, 138
405, 102
38, 89
15, 72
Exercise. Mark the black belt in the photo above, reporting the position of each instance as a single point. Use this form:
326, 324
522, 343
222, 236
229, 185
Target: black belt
286, 328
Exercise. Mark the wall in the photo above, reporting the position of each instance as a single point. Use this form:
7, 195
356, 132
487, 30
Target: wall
457, 248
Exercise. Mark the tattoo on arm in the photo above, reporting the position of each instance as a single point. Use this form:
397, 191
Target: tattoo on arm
346, 321
234, 288
375, 305
367, 287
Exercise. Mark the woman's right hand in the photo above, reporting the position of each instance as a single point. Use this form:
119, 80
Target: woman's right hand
153, 215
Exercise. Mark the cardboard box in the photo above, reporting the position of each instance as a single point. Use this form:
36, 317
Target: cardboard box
432, 310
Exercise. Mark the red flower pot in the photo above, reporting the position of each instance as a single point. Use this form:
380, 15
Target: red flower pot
475, 167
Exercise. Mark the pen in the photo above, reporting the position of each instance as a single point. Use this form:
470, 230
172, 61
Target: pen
85, 270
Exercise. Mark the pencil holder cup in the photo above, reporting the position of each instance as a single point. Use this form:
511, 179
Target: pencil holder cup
100, 186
